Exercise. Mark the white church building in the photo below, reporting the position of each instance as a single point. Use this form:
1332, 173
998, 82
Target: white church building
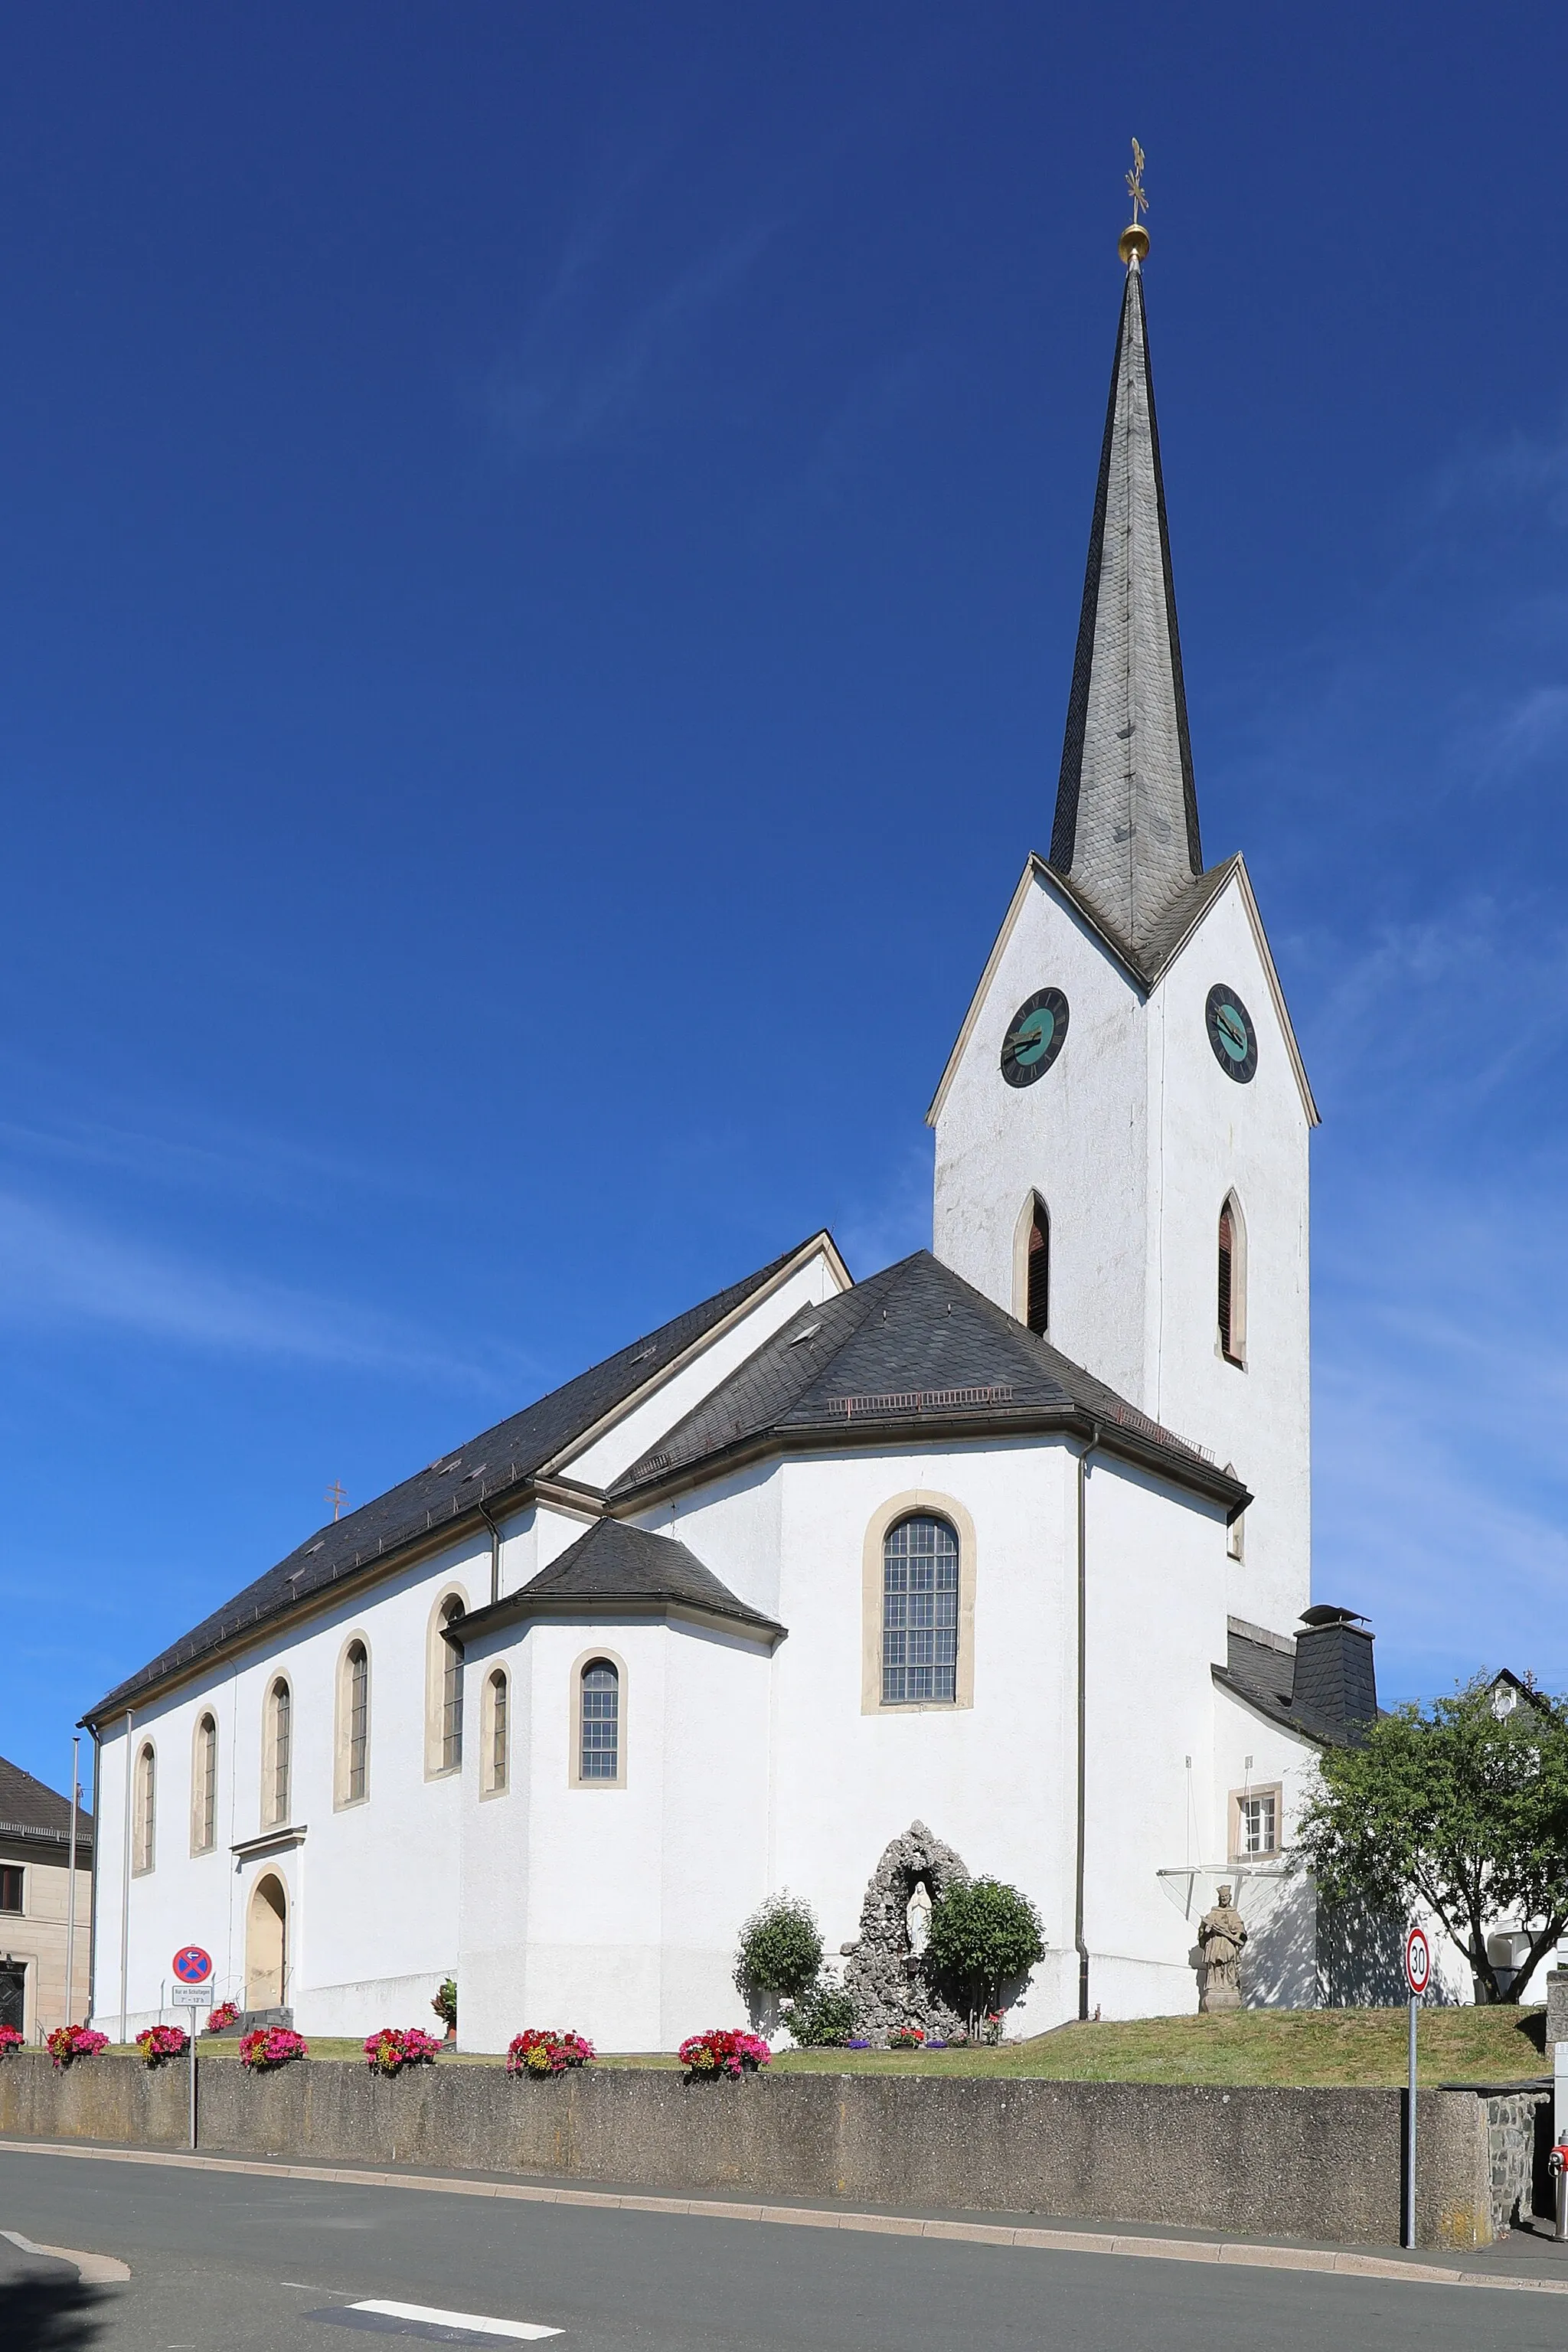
1011, 1538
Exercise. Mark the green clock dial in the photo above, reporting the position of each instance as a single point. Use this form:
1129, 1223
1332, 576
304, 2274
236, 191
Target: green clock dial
1035, 1036
1231, 1033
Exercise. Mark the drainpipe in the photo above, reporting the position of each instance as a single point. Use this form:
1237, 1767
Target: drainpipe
125, 1889
1082, 1717
97, 1861
70, 1888
495, 1551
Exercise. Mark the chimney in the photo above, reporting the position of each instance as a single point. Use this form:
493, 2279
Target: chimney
1335, 1678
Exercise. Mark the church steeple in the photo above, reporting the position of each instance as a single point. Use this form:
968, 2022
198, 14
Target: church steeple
1126, 829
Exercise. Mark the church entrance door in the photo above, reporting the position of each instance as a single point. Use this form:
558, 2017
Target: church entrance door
266, 1945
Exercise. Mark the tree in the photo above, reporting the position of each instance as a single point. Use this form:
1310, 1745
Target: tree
982, 1933
781, 1949
1455, 1806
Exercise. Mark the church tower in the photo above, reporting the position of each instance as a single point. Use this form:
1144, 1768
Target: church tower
1121, 1128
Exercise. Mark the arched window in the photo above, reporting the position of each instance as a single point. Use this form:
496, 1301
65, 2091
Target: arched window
494, 1731
277, 1754
1032, 1265
1232, 1284
353, 1725
144, 1812
451, 1692
599, 1748
919, 1612
204, 1786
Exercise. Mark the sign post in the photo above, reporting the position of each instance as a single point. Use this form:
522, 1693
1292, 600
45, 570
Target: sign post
1417, 1975
192, 1991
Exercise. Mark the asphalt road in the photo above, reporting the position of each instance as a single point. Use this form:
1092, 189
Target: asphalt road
226, 2262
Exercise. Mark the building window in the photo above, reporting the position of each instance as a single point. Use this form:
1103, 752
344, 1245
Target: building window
144, 1812
601, 1722
444, 1686
353, 1725
11, 1888
496, 1731
277, 1755
451, 1693
1254, 1824
204, 1787
1032, 1265
919, 1612
1232, 1284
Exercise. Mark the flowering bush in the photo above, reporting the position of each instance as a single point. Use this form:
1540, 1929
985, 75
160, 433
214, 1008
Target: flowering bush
157, 2043
907, 2037
719, 2052
546, 2049
271, 2045
225, 2014
69, 2042
9, 2039
395, 2047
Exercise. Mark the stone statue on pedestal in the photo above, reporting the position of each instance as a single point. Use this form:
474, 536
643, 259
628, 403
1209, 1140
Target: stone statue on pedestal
1221, 1935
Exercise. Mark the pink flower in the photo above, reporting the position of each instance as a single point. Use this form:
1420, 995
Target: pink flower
157, 2043
71, 2041
395, 2047
722, 2050
541, 2050
271, 2045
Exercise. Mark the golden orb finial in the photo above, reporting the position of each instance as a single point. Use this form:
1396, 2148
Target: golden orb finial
1133, 242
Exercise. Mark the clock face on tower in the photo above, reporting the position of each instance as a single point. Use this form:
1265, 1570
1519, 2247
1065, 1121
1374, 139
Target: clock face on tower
1231, 1033
1035, 1036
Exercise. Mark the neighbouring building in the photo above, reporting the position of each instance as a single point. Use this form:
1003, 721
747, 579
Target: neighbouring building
36, 1906
1010, 1539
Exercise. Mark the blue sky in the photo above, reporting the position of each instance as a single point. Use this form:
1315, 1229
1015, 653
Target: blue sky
538, 560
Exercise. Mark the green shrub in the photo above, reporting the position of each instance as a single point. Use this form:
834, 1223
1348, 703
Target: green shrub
445, 2002
781, 1949
982, 1933
822, 2016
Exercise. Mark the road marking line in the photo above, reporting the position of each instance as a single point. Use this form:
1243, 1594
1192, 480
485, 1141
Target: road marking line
1255, 2254
474, 2321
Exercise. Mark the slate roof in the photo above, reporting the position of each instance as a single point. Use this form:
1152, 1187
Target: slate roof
450, 1489
616, 1563
915, 1346
31, 1811
1266, 1677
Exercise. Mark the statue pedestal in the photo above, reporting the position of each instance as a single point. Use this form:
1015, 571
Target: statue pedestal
1219, 1990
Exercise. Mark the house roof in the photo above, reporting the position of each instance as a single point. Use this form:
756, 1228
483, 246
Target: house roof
617, 1565
497, 1462
32, 1811
912, 1348
1260, 1668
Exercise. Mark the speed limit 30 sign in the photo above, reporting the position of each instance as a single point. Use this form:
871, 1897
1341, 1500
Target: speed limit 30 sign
1417, 1961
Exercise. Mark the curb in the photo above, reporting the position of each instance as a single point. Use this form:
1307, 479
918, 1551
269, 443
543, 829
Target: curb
1253, 2256
92, 2270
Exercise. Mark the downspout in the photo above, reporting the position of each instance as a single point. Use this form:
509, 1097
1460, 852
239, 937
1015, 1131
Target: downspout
125, 1889
1082, 1717
97, 1858
70, 1886
495, 1551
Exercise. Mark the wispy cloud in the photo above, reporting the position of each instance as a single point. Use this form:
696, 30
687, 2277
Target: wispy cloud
58, 1269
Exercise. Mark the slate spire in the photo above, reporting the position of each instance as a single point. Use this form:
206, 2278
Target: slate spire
1126, 829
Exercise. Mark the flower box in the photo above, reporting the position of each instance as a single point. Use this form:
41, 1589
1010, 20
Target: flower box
395, 2047
708, 2055
10, 2040
157, 2043
225, 2014
907, 2037
545, 2049
269, 2046
68, 2043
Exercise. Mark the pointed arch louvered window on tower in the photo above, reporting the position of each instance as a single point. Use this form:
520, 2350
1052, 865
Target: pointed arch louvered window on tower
1232, 1284
1038, 1275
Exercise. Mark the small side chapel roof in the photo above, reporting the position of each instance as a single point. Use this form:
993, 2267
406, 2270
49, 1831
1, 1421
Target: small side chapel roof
614, 1565
913, 1349
455, 1483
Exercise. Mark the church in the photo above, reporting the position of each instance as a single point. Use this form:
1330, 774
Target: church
1002, 1553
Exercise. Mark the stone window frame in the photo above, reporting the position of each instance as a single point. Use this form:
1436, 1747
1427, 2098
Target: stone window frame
270, 1817
18, 1870
144, 1810
1036, 1207
343, 1686
917, 1502
580, 1665
438, 1651
1239, 1797
205, 1722
489, 1784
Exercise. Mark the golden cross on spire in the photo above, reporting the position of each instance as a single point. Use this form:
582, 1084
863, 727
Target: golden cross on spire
1135, 184
1133, 242
336, 1497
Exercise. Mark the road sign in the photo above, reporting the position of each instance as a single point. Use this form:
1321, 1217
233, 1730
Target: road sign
1417, 1961
192, 1965
192, 1996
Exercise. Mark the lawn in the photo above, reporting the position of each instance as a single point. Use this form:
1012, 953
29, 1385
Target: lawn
1305, 2046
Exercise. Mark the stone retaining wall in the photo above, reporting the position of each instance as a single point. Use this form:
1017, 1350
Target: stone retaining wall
1322, 2163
